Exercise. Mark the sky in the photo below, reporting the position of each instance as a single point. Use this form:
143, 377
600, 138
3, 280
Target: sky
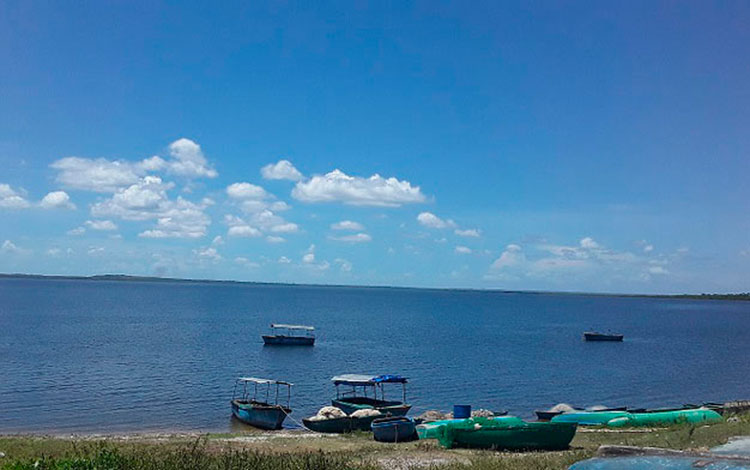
565, 146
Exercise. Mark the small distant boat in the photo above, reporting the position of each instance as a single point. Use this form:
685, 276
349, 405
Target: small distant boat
505, 432
595, 336
357, 397
290, 335
394, 429
258, 413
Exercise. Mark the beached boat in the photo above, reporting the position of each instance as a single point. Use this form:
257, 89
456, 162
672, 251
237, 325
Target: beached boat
505, 432
362, 386
394, 429
250, 409
546, 415
595, 336
290, 335
659, 417
339, 425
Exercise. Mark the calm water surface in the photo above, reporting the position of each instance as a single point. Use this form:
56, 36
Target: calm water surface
84, 356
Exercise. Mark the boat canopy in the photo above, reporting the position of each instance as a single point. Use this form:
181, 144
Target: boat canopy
263, 381
292, 327
364, 379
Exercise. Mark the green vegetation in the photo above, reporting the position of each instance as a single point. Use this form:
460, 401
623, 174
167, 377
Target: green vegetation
294, 450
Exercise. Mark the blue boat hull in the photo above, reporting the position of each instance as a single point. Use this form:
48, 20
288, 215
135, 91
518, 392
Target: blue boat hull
397, 429
260, 415
279, 340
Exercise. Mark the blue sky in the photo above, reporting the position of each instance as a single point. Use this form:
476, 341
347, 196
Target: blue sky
587, 146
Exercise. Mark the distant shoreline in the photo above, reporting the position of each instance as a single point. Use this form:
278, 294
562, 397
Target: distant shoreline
128, 278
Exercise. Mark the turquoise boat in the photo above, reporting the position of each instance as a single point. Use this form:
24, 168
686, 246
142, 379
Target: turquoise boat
617, 419
504, 432
256, 412
363, 394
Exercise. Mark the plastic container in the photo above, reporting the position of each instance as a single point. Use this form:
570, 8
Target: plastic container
461, 411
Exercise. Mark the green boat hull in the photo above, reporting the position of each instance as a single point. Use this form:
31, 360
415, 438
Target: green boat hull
618, 419
507, 432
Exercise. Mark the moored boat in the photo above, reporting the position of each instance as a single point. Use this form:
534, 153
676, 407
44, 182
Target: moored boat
506, 432
363, 394
290, 335
394, 429
258, 413
596, 336
339, 425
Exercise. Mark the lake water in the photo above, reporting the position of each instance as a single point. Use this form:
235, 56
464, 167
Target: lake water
85, 356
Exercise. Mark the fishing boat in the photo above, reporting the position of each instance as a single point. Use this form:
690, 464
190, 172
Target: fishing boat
657, 417
290, 335
252, 410
339, 425
596, 336
504, 432
363, 393
394, 429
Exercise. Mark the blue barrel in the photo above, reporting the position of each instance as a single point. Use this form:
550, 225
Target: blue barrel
461, 411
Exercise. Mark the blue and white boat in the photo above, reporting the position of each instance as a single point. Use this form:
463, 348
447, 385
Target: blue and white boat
290, 335
362, 393
257, 409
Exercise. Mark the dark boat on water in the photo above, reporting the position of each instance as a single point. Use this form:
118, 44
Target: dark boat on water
290, 335
256, 412
595, 336
358, 396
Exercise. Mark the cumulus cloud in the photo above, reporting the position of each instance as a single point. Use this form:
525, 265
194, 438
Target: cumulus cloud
284, 260
11, 199
76, 231
188, 160
428, 219
11, 248
463, 250
97, 175
56, 200
281, 170
337, 186
588, 243
246, 191
210, 253
347, 225
511, 256
343, 264
244, 231
241, 260
275, 239
105, 225
354, 238
469, 232
148, 200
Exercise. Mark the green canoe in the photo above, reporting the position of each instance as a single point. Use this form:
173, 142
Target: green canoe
617, 419
505, 432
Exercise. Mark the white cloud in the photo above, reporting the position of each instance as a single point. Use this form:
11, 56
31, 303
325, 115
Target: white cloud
188, 160
209, 253
98, 175
56, 200
657, 270
245, 231
511, 256
588, 243
469, 232
148, 200
275, 239
241, 260
354, 238
463, 250
284, 260
76, 231
337, 186
95, 250
11, 199
11, 248
308, 258
287, 227
218, 240
648, 248
281, 170
343, 264
106, 225
428, 219
246, 191
347, 225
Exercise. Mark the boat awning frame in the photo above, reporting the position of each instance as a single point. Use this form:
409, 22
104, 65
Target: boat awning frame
364, 379
256, 380
292, 327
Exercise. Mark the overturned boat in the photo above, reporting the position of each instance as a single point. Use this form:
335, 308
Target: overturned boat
657, 417
503, 432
